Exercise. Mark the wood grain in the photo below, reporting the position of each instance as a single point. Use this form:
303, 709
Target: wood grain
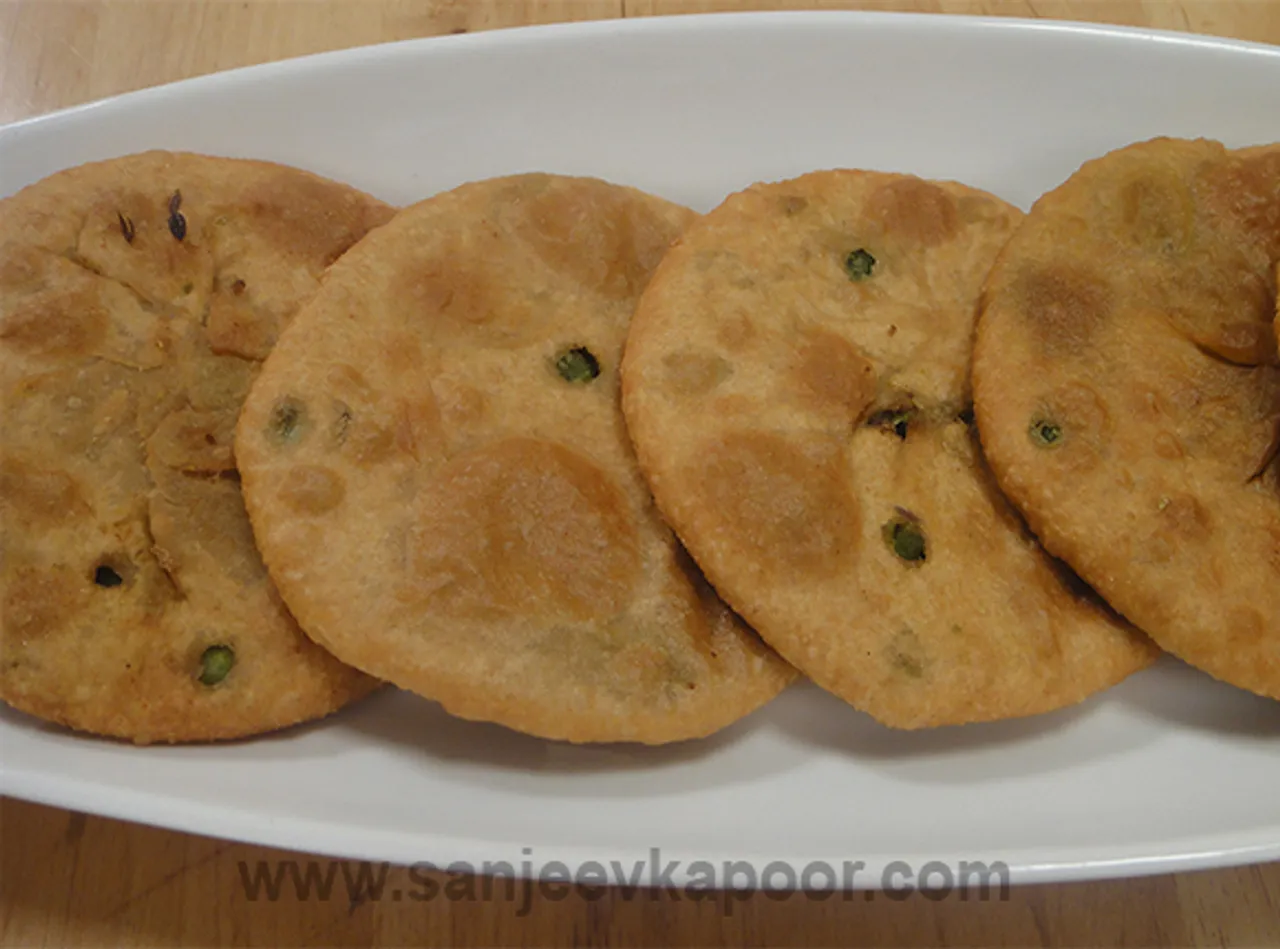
71, 880
1257, 20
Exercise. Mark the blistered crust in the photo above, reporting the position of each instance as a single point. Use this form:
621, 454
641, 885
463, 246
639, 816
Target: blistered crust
136, 297
492, 545
1131, 322
797, 385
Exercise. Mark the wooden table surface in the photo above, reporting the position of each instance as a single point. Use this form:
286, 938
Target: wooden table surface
71, 880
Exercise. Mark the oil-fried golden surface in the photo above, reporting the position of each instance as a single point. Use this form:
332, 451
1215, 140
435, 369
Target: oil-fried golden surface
1131, 321
136, 297
443, 508
796, 382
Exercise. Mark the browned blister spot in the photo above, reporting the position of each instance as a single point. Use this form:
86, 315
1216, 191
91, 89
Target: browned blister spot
83, 412
305, 217
524, 527
1167, 446
792, 204
457, 296
1033, 600
905, 655
915, 211
781, 502
212, 382
23, 268
1221, 302
735, 403
312, 489
348, 381
1185, 518
367, 442
829, 374
1245, 189
694, 373
1063, 306
645, 669
1150, 404
1081, 410
1244, 628
1226, 414
353, 404
55, 325
1244, 344
40, 496
50, 307
402, 353
734, 331
236, 327
39, 601
1179, 521
193, 441
418, 426
1157, 212
600, 237
461, 405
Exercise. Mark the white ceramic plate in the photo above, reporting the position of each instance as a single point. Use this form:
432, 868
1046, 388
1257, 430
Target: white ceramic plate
1169, 771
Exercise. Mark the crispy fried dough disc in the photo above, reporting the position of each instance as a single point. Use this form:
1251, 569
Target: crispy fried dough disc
1128, 393
136, 297
439, 476
796, 383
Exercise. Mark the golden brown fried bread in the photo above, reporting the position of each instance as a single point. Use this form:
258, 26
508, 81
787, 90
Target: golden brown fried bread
1128, 393
439, 476
136, 297
796, 384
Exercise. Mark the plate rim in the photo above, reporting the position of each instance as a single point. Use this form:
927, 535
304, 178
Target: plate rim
1027, 866
958, 23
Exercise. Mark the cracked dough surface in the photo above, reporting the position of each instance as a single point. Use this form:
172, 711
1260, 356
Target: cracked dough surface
1133, 314
137, 297
796, 384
